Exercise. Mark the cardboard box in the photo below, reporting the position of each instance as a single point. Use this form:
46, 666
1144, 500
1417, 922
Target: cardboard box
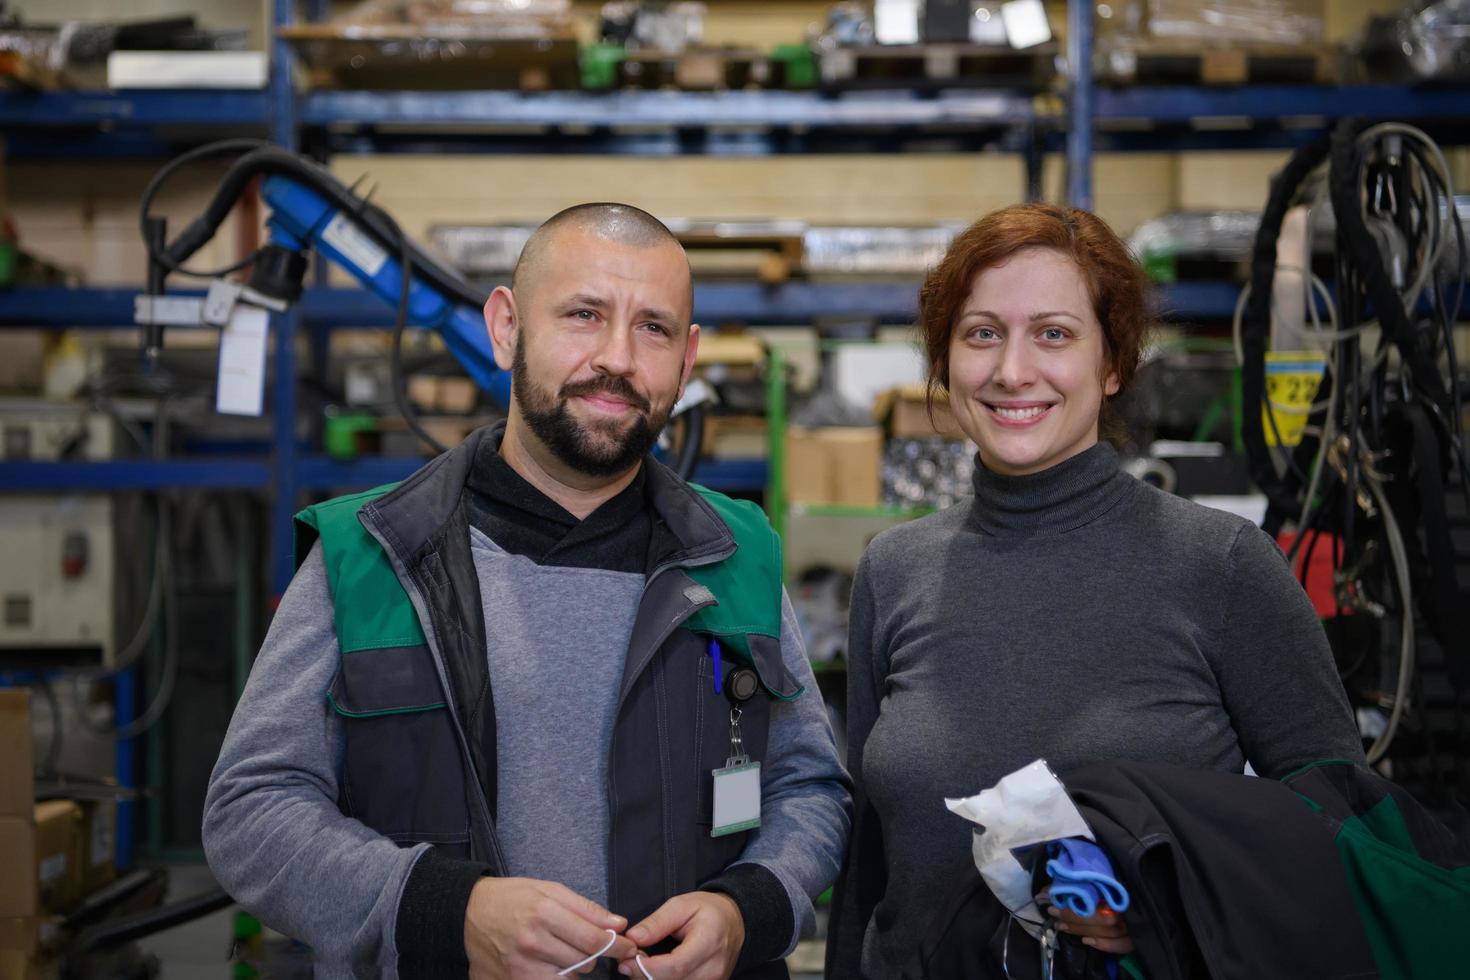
41, 857
17, 866
24, 966
59, 854
457, 396
22, 360
834, 466
29, 936
903, 413
98, 844
736, 437
423, 392
17, 783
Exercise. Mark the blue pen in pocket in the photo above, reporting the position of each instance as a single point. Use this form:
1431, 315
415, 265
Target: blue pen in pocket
719, 668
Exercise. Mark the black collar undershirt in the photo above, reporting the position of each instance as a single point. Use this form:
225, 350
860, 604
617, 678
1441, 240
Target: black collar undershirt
521, 519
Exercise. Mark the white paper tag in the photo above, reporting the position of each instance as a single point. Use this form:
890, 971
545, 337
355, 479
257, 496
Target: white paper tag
1026, 23
896, 21
355, 246
242, 345
737, 799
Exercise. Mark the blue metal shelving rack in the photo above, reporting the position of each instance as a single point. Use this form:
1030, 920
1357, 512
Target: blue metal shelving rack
641, 123
101, 125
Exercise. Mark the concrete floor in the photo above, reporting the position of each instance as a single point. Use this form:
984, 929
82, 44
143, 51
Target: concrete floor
200, 950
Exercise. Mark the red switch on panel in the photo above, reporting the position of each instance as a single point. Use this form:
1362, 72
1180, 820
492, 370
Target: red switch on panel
74, 554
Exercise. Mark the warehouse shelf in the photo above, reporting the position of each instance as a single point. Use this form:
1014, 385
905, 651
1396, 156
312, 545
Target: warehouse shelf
1154, 105
168, 107
314, 473
326, 473
154, 124
773, 109
1161, 105
755, 304
335, 307
103, 123
661, 123
137, 474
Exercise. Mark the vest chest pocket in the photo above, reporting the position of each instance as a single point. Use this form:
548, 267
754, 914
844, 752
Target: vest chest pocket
402, 774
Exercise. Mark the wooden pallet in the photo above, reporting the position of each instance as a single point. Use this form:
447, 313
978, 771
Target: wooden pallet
1157, 62
700, 70
937, 66
773, 255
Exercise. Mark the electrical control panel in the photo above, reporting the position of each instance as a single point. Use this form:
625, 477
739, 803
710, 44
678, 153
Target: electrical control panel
58, 574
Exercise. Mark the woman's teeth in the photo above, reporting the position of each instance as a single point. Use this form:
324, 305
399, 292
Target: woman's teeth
1019, 414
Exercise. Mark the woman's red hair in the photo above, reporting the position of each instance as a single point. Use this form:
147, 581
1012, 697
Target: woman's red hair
1113, 277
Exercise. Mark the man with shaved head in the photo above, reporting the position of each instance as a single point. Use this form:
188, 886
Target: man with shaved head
542, 708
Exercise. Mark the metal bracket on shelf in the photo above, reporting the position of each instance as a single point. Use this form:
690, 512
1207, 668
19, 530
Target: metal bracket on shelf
213, 309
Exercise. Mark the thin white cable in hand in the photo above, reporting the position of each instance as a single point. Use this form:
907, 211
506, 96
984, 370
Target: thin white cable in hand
612, 937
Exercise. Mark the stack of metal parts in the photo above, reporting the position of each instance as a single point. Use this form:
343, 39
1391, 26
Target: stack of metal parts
442, 44
1224, 234
876, 251
820, 598
74, 54
492, 250
658, 26
1229, 236
480, 250
445, 19
1429, 44
928, 473
1248, 21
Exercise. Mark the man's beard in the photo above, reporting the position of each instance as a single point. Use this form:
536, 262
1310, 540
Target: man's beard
592, 448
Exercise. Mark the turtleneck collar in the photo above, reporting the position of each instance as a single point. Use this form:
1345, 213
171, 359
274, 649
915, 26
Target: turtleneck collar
1076, 491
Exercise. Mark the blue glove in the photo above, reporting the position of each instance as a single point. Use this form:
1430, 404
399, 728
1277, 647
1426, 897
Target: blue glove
1082, 877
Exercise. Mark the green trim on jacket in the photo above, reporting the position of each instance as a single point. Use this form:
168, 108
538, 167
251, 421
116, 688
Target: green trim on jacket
372, 611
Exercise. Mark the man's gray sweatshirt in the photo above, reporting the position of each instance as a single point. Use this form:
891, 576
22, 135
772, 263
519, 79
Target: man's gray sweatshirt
1076, 615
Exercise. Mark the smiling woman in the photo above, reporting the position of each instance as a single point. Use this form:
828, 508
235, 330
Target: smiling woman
1066, 611
1032, 324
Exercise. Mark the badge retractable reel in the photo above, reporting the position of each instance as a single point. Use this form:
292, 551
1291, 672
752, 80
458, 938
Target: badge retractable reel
737, 786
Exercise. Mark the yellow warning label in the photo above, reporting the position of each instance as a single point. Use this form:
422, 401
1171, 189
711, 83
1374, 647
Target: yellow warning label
1292, 381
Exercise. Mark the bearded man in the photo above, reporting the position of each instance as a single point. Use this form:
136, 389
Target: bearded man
543, 707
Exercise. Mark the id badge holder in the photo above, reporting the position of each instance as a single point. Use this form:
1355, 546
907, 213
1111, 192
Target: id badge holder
737, 789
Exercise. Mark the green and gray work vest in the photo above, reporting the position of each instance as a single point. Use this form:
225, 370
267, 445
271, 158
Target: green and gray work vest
412, 686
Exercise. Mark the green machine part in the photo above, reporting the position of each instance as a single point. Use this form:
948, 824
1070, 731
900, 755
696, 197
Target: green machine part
798, 65
600, 65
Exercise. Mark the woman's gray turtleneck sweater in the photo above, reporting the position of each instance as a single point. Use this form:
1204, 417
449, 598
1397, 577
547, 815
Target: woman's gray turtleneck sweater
1075, 615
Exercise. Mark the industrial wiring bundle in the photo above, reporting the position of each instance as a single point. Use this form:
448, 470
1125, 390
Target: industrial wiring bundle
1382, 447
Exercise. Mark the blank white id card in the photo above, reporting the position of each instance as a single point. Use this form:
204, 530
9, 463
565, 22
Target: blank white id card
737, 799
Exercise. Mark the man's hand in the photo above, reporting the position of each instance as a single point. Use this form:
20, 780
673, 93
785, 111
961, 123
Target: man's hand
1105, 930
710, 933
520, 927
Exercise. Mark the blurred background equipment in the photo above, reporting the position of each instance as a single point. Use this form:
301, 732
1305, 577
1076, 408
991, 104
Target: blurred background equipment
1431, 43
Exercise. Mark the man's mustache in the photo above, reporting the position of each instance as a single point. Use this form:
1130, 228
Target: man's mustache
616, 387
